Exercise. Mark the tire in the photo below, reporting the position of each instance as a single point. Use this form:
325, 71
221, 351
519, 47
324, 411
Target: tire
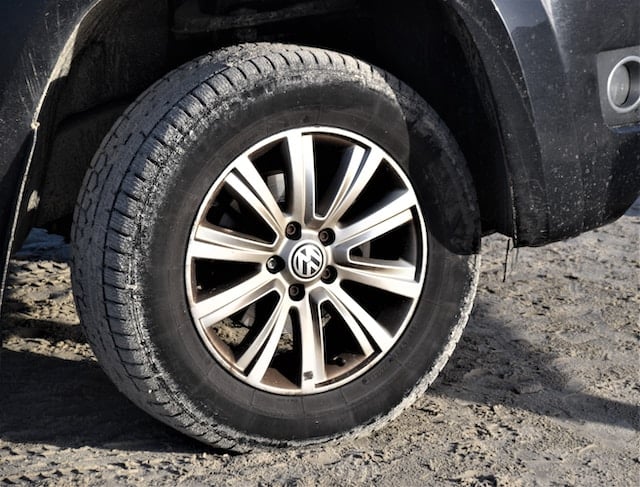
275, 245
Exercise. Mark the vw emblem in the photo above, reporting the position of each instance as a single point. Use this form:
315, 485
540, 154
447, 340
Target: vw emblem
307, 261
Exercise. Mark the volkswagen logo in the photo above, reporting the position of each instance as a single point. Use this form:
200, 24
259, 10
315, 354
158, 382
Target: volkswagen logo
307, 261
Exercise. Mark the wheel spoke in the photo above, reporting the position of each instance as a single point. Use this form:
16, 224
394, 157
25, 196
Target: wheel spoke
397, 277
247, 184
265, 344
211, 310
302, 183
359, 168
221, 244
356, 221
351, 310
312, 344
395, 211
350, 321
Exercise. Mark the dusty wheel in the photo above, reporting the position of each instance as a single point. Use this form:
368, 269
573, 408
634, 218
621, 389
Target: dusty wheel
280, 275
275, 245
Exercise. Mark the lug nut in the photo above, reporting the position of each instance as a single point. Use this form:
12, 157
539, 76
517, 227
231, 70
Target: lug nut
275, 264
293, 231
326, 236
296, 292
329, 275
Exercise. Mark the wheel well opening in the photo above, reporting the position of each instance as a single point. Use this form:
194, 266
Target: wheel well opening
132, 44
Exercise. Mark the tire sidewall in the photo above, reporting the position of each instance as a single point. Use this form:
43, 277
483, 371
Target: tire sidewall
417, 140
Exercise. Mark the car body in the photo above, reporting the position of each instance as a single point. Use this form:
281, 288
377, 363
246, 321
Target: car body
523, 85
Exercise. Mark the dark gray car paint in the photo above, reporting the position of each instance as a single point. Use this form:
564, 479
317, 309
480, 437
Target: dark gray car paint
568, 170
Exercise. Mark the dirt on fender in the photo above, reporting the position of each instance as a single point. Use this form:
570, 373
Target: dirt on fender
543, 389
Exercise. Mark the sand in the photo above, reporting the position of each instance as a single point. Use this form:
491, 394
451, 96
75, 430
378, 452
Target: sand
543, 389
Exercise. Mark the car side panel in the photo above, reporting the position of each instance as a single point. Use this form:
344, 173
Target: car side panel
37, 42
570, 171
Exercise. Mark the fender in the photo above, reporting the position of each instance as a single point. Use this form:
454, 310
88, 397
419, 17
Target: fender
39, 40
569, 172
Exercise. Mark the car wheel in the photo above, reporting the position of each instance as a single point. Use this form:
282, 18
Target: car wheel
275, 245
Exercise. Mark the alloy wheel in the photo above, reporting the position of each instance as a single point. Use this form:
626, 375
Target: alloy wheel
306, 260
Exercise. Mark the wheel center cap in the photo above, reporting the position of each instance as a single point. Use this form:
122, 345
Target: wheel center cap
307, 261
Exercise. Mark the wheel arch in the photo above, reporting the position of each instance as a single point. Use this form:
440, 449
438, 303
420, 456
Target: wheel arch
45, 37
447, 36
431, 38
90, 86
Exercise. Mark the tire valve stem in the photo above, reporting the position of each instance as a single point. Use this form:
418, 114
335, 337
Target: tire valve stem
339, 361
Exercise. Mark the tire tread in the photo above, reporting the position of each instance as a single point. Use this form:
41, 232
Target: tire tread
116, 187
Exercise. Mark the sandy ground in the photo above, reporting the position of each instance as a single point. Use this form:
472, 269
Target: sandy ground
543, 389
